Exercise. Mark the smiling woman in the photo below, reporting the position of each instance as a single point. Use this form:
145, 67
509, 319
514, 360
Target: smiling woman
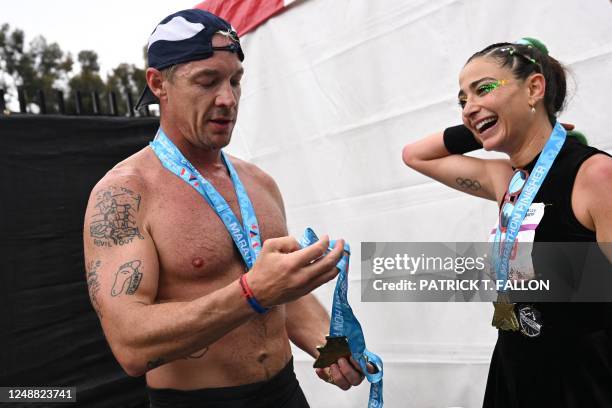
551, 188
536, 79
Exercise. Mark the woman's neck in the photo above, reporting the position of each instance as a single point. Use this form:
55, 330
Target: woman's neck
533, 144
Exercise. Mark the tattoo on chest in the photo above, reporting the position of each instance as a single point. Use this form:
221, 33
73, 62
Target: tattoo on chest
468, 184
127, 278
114, 223
93, 284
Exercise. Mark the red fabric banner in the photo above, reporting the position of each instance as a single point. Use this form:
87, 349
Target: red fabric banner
244, 15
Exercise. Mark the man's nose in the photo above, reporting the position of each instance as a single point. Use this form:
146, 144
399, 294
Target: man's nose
227, 96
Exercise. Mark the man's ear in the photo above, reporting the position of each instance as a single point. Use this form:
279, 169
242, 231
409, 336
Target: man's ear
155, 81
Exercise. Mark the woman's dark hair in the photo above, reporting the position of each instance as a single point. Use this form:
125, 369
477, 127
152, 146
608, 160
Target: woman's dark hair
526, 57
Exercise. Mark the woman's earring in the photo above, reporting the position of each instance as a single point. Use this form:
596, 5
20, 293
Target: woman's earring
532, 108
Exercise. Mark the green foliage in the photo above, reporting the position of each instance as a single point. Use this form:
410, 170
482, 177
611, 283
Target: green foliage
125, 78
43, 66
89, 62
87, 81
39, 66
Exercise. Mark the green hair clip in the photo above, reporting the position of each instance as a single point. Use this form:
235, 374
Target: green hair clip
529, 43
533, 42
579, 136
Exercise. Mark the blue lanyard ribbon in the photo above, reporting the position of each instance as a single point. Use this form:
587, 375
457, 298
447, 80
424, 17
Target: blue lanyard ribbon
344, 323
532, 186
246, 236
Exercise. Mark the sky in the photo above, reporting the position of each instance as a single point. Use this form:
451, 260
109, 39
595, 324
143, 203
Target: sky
116, 29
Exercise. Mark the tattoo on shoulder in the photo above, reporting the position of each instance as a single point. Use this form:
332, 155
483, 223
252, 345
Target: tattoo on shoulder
93, 284
114, 222
468, 184
127, 278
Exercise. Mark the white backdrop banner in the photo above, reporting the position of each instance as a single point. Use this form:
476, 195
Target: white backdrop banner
334, 89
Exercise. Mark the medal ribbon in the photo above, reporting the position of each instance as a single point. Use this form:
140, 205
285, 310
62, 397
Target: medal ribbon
344, 323
532, 186
246, 235
248, 241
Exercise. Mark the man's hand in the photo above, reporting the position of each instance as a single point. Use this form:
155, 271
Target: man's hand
283, 272
344, 374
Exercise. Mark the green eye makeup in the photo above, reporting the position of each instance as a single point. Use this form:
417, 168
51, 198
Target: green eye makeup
483, 90
486, 88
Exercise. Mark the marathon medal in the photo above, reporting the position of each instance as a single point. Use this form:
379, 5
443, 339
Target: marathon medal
530, 320
334, 348
504, 317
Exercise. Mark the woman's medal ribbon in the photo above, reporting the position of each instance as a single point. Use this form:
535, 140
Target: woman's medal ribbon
504, 317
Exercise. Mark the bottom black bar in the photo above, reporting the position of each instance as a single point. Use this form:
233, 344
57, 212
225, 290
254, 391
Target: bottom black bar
37, 394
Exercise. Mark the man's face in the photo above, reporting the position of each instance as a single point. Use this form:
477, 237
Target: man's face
202, 97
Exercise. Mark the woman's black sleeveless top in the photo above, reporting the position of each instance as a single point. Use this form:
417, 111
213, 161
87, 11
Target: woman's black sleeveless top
570, 363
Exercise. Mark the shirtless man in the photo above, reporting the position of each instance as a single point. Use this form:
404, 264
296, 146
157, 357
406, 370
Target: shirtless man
168, 294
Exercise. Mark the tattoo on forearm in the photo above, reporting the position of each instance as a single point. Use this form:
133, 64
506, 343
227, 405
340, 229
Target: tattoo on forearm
127, 278
468, 184
93, 285
160, 361
155, 363
114, 223
198, 354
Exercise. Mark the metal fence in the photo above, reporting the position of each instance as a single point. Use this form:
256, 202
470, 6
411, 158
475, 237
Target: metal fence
61, 104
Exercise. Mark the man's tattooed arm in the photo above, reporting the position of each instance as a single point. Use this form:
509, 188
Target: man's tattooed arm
127, 278
155, 363
161, 360
114, 217
93, 285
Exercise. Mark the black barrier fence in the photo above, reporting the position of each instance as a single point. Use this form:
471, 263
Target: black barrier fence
50, 334
79, 103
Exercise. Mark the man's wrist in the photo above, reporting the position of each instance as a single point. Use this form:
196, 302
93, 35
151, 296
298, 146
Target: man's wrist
250, 296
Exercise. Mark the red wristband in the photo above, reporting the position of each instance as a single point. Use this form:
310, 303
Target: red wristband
250, 297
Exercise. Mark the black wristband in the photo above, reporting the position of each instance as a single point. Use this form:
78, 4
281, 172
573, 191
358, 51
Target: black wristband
459, 140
